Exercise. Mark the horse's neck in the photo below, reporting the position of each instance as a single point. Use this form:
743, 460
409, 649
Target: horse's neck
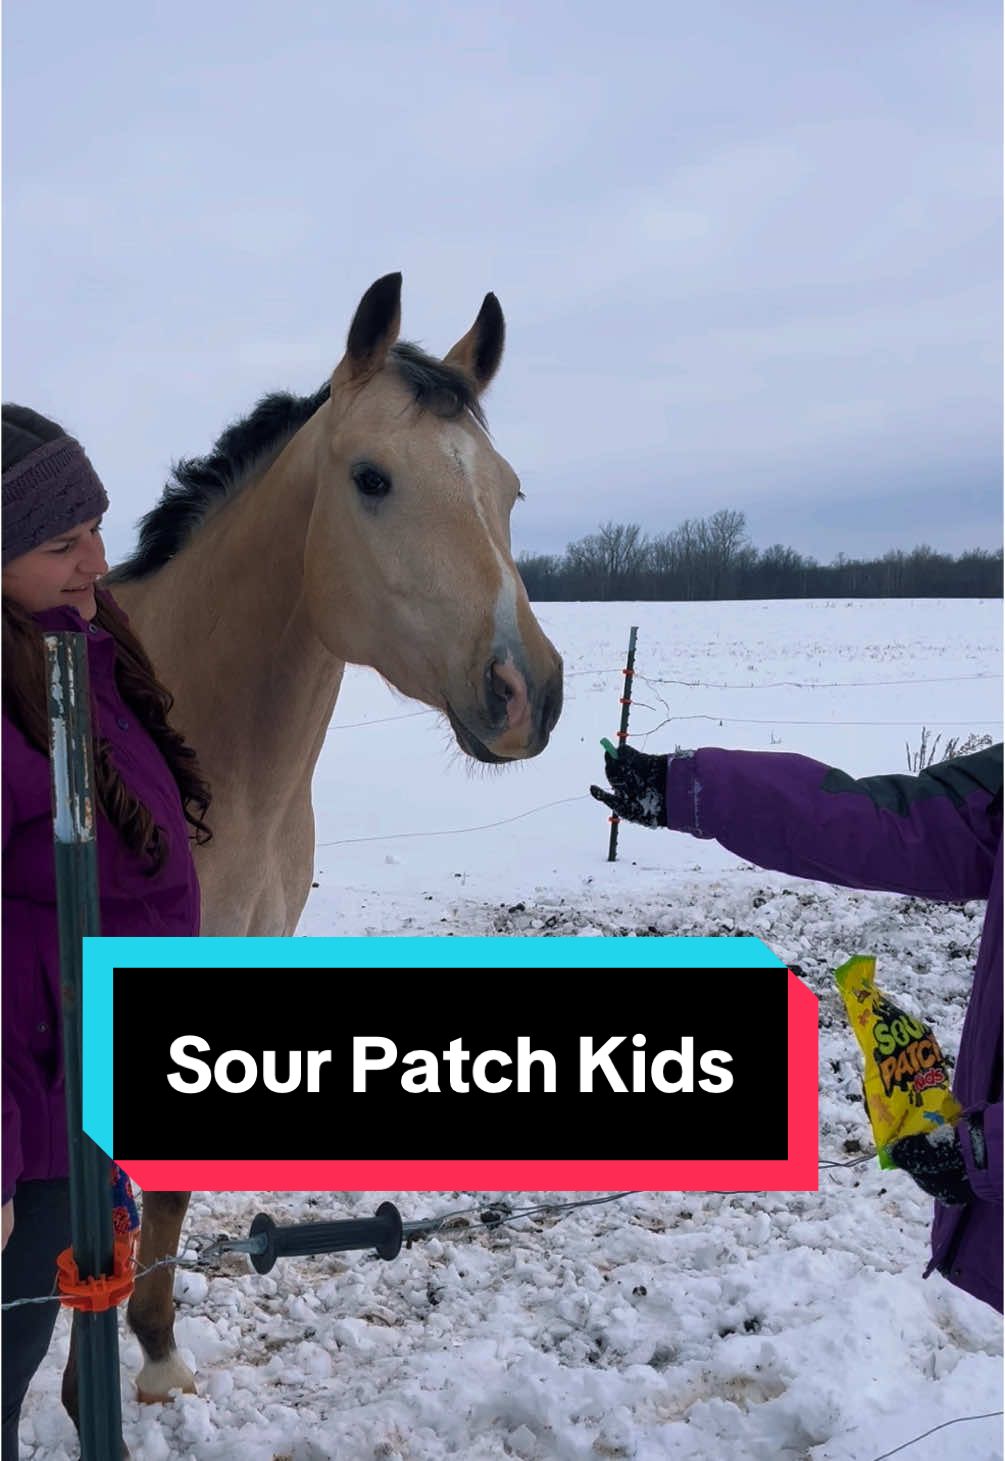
226, 626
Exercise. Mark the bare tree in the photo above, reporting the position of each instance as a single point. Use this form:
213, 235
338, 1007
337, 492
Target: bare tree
609, 559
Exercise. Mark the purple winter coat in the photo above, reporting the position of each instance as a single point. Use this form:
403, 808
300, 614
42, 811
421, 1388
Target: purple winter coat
34, 1103
937, 835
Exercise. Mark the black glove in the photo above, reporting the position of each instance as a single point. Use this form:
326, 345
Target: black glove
639, 785
934, 1160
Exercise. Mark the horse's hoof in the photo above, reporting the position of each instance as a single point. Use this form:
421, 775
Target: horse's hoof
158, 1378
146, 1398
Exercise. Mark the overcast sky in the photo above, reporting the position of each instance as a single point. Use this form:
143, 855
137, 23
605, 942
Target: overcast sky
749, 251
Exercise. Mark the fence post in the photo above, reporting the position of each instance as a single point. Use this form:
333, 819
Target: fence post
74, 835
626, 705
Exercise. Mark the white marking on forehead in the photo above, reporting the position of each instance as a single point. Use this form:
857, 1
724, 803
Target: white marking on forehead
462, 449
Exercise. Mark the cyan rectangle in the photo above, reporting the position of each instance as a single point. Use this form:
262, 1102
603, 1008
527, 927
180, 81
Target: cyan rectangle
103, 955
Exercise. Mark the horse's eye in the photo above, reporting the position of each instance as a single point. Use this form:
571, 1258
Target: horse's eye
370, 480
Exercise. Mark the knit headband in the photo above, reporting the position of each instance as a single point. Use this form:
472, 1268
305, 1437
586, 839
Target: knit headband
48, 492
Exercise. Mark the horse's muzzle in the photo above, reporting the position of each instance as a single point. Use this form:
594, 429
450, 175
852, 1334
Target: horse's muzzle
516, 717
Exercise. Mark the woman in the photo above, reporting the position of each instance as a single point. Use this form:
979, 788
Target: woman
152, 800
938, 836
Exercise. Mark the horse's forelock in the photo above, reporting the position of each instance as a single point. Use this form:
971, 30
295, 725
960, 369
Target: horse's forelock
437, 387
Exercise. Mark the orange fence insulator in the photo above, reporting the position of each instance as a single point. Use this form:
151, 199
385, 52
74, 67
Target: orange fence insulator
105, 1290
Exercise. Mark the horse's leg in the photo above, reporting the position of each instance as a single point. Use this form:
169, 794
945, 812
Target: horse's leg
151, 1308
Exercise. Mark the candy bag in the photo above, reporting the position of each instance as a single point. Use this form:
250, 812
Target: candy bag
906, 1082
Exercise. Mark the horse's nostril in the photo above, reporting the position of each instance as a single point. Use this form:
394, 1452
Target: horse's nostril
507, 698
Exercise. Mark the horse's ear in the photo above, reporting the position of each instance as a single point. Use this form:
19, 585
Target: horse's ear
374, 329
479, 352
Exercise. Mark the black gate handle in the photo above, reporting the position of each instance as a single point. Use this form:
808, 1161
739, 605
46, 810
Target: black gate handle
301, 1240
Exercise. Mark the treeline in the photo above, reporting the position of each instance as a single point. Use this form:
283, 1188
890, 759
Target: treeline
713, 558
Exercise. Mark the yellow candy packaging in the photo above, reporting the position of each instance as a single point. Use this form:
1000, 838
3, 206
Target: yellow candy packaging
906, 1081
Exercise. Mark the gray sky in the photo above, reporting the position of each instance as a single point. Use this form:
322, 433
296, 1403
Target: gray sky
749, 250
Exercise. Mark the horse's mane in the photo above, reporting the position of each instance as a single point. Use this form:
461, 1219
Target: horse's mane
248, 447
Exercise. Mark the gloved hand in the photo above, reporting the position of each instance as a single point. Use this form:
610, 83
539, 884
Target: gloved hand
639, 787
934, 1160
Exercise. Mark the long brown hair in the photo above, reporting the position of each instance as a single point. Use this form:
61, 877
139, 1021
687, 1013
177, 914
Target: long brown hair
24, 700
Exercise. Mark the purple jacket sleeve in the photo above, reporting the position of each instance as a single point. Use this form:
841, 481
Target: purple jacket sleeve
929, 835
10, 1152
12, 1162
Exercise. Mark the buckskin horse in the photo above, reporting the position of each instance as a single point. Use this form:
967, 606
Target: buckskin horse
365, 524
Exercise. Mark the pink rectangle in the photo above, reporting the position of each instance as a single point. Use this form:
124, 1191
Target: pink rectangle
487, 1176
798, 1172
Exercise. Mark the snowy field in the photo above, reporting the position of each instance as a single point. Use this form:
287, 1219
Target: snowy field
713, 1327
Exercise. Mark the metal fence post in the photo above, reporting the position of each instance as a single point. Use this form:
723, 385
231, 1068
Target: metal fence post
626, 705
74, 834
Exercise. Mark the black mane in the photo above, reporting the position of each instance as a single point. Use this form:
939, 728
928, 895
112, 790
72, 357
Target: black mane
248, 447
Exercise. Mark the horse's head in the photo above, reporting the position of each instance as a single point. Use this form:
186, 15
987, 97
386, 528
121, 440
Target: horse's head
408, 565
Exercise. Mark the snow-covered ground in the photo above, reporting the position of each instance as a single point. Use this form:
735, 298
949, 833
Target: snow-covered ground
746, 1328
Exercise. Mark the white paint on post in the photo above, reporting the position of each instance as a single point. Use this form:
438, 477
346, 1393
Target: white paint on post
73, 811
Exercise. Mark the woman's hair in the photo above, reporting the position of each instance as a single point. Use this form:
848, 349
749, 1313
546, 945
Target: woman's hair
25, 697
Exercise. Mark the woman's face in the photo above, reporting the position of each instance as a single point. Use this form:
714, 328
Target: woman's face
60, 571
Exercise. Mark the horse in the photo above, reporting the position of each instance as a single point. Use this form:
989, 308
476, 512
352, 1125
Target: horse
366, 524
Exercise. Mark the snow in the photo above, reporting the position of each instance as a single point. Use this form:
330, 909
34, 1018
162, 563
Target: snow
747, 1327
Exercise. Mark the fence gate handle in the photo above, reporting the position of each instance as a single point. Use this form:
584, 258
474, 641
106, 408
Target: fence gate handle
382, 1232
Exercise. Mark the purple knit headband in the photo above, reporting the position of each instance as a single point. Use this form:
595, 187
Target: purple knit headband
48, 492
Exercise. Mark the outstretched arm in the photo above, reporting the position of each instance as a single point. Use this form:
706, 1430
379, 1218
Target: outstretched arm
934, 835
